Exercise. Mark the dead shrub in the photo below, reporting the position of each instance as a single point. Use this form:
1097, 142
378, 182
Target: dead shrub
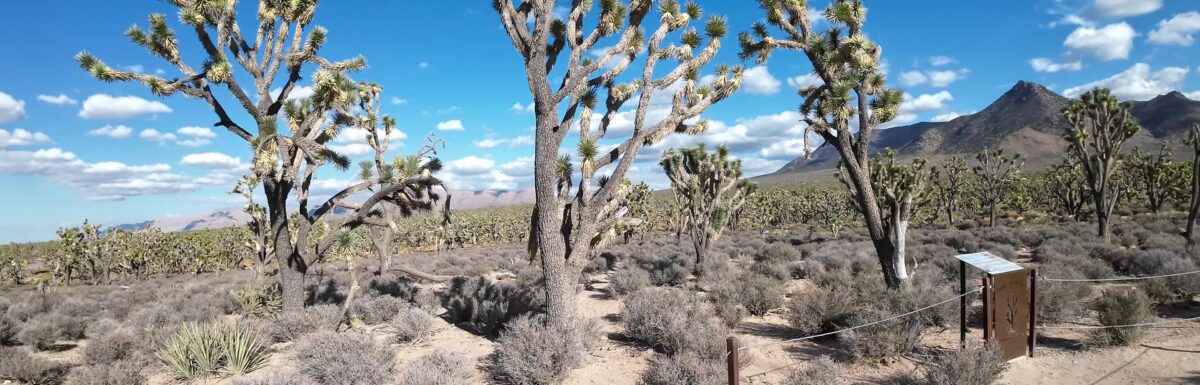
531, 351
18, 365
673, 321
291, 326
978, 364
412, 325
343, 359
437, 368
685, 368
113, 373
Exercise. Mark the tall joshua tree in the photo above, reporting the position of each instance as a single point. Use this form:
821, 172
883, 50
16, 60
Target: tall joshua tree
1100, 125
899, 190
570, 222
998, 175
285, 161
710, 188
847, 105
950, 181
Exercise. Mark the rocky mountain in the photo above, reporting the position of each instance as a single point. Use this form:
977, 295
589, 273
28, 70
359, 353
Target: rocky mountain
1025, 120
234, 216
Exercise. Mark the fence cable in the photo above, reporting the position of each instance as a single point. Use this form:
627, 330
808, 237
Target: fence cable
972, 291
1116, 279
1118, 326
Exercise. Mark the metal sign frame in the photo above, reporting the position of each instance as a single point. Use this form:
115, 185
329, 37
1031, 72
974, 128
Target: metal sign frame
992, 266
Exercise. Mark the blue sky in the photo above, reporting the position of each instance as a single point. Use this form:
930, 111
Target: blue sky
73, 148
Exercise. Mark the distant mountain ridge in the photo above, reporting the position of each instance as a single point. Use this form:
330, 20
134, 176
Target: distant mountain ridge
234, 216
1026, 119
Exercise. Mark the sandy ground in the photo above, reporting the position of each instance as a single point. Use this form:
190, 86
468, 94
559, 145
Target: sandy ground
1168, 355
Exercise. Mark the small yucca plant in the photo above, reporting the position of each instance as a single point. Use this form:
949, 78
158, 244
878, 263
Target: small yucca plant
199, 351
244, 348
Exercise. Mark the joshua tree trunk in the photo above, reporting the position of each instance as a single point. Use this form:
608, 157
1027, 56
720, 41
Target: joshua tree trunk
885, 246
1194, 206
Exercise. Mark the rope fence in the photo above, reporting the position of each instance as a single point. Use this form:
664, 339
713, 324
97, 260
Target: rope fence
1117, 278
732, 354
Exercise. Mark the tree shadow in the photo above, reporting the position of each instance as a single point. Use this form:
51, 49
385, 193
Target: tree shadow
767, 330
1059, 343
1178, 310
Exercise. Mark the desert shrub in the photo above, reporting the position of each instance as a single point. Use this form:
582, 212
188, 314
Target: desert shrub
927, 288
628, 279
437, 368
42, 332
1166, 240
114, 373
293, 325
8, 330
483, 306
774, 261
1000, 234
110, 347
883, 339
343, 359
978, 364
18, 365
1057, 249
533, 352
665, 271
1060, 301
199, 351
686, 368
1002, 250
822, 371
101, 327
821, 310
378, 309
961, 240
1121, 306
260, 299
34, 304
673, 321
759, 293
412, 324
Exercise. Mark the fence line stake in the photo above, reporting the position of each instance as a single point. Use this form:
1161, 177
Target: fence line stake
731, 350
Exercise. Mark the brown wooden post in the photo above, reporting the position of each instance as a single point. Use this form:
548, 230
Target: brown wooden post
987, 307
1033, 279
731, 350
962, 303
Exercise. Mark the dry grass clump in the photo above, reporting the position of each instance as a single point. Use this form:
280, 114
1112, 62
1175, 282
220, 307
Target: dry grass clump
116, 345
673, 321
437, 368
293, 325
113, 373
18, 365
686, 368
822, 371
628, 279
331, 358
978, 364
531, 351
412, 325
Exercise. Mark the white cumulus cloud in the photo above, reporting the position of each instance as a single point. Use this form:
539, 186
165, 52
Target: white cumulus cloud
60, 99
156, 136
102, 106
1177, 30
111, 131
1041, 64
212, 161
21, 137
450, 125
10, 108
1110, 42
1116, 9
758, 81
1139, 82
925, 102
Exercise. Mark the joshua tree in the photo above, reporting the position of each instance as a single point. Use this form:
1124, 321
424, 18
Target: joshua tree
998, 174
899, 189
1157, 175
258, 225
851, 87
709, 188
1099, 127
285, 160
1063, 185
950, 182
568, 226
639, 208
1193, 139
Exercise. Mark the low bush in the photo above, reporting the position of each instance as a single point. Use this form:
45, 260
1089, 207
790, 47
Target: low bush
1121, 306
42, 332
822, 371
101, 327
437, 368
331, 358
883, 339
378, 309
412, 325
760, 293
260, 299
484, 307
113, 373
111, 347
8, 330
673, 321
978, 364
628, 279
1061, 301
277, 379
34, 304
685, 368
821, 310
293, 325
18, 365
665, 271
533, 352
